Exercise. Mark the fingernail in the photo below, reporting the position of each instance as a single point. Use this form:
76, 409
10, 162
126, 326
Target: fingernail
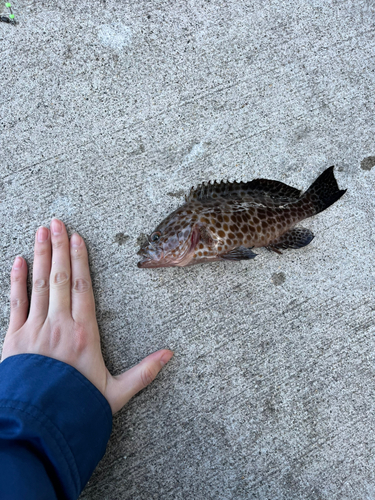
42, 234
56, 226
165, 358
18, 263
75, 240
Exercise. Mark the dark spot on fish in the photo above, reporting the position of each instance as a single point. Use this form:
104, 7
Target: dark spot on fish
234, 228
231, 236
256, 220
205, 220
120, 238
201, 246
142, 239
220, 249
226, 218
278, 278
259, 229
225, 227
221, 233
205, 252
368, 163
264, 224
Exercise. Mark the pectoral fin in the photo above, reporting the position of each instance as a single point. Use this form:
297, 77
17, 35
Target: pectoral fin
206, 236
298, 237
239, 253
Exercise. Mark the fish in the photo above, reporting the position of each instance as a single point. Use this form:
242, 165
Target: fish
225, 221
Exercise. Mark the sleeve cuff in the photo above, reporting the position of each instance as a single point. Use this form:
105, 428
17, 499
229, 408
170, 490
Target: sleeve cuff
65, 417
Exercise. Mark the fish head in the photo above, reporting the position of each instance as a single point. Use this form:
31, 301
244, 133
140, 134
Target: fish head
171, 244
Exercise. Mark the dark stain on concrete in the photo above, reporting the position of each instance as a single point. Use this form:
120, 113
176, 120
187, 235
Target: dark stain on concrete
368, 163
142, 238
141, 149
121, 238
269, 409
177, 194
278, 278
301, 134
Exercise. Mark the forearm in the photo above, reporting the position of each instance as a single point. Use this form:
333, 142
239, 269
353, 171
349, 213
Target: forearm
54, 427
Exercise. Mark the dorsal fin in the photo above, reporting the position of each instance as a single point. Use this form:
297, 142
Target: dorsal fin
260, 189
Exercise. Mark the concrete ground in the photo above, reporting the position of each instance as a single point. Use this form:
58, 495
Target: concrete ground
110, 112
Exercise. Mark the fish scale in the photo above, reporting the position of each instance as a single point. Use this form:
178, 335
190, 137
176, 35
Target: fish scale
225, 220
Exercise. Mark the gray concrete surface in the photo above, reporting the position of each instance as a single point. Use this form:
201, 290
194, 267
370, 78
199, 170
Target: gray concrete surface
110, 111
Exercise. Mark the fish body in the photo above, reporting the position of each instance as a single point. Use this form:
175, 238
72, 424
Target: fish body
225, 221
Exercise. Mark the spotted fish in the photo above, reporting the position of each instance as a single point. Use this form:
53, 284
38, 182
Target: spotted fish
226, 220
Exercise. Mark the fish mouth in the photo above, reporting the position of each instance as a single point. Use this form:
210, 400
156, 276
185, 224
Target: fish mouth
153, 259
150, 259
147, 262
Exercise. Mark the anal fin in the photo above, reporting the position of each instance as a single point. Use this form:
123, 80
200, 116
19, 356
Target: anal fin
239, 253
297, 237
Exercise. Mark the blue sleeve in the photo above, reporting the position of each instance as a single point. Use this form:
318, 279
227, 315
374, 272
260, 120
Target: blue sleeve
54, 428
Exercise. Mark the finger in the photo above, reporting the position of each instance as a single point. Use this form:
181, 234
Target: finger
41, 272
59, 296
83, 304
123, 387
18, 295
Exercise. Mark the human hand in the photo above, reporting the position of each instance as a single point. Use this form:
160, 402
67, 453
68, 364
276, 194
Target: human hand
61, 322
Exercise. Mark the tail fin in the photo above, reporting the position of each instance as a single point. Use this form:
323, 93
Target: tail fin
324, 191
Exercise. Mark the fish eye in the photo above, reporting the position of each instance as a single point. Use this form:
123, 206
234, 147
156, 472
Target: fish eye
155, 236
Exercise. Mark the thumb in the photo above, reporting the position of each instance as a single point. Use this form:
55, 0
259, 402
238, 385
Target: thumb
122, 388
